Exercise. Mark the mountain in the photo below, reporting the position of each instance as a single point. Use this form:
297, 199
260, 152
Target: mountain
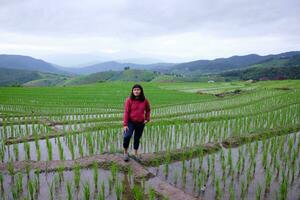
197, 67
283, 67
125, 75
286, 60
28, 71
17, 77
117, 66
224, 64
27, 63
268, 73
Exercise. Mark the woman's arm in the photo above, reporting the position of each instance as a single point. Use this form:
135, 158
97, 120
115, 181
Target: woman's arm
126, 112
148, 110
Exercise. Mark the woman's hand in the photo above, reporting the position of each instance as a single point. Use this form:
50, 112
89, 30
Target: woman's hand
125, 128
145, 121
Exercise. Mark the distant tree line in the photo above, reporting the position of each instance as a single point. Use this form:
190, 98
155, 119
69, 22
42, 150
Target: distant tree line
262, 73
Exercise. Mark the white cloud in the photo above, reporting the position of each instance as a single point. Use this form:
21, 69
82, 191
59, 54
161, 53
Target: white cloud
167, 29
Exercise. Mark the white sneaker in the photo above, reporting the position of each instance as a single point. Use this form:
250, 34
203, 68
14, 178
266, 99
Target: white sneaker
126, 158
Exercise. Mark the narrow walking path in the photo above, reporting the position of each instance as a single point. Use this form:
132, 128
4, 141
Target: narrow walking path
160, 187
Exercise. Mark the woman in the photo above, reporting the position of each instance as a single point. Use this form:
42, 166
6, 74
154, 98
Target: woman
136, 115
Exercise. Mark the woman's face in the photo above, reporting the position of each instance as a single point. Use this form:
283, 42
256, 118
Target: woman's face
136, 91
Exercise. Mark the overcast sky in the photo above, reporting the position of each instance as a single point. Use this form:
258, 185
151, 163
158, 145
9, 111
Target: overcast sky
71, 32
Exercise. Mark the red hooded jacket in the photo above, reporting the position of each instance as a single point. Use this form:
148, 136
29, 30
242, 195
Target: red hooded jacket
135, 111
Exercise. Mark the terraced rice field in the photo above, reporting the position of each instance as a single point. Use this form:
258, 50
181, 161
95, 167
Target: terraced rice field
204, 141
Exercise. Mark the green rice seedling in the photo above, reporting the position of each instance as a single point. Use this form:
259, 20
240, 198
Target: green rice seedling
283, 189
183, 174
231, 191
243, 189
119, 190
250, 151
208, 164
190, 153
273, 154
223, 163
19, 183
38, 152
213, 175
218, 188
27, 170
239, 162
36, 187
285, 161
290, 145
130, 173
298, 146
113, 148
242, 164
278, 169
205, 177
11, 169
60, 149
77, 176
49, 149
110, 184
36, 140
200, 160
14, 192
72, 151
1, 183
151, 193
31, 189
2, 152
114, 171
200, 181
95, 174
86, 191
37, 174
281, 149
143, 183
16, 151
268, 179
213, 172
258, 192
294, 157
253, 168
137, 192
175, 176
101, 146
248, 177
80, 147
90, 144
229, 159
69, 191
255, 147
27, 150
61, 173
101, 195
293, 169
265, 158
288, 174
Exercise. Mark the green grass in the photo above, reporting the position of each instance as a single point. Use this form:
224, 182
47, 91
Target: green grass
100, 95
184, 116
111, 95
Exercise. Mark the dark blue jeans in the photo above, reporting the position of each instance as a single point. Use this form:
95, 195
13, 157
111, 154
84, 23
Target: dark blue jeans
137, 128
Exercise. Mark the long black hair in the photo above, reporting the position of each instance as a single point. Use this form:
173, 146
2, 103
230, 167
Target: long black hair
141, 97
